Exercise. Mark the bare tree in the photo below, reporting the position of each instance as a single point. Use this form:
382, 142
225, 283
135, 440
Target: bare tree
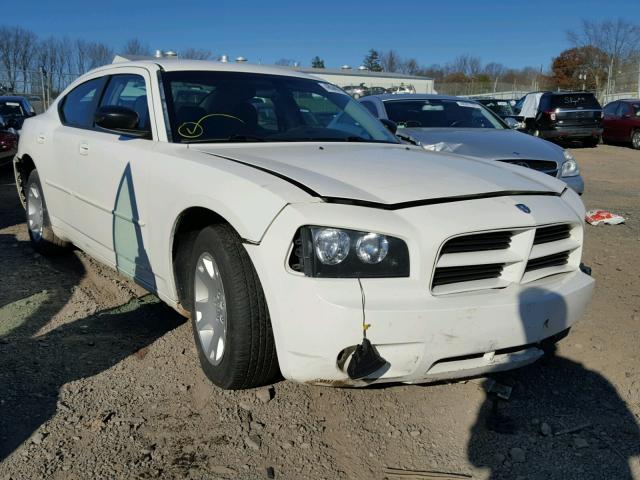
409, 66
619, 39
390, 61
196, 54
90, 55
467, 65
16, 51
81, 48
99, 54
134, 46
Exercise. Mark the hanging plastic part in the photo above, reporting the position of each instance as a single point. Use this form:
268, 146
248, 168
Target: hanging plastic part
366, 359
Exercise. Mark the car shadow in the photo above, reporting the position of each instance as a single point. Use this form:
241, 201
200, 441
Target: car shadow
11, 212
33, 366
561, 421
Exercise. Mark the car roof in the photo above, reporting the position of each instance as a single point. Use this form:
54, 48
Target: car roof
628, 100
415, 96
14, 98
175, 65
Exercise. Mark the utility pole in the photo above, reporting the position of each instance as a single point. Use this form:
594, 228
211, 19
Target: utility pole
606, 98
44, 100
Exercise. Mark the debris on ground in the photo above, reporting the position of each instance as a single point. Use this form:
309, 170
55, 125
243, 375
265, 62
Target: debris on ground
596, 217
573, 429
500, 390
407, 474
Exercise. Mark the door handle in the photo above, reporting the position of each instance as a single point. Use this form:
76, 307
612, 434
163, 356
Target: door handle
83, 148
41, 138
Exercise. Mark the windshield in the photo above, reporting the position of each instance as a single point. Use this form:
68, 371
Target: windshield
10, 107
440, 113
501, 107
231, 107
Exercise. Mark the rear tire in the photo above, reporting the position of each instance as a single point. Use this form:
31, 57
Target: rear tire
43, 240
635, 140
229, 315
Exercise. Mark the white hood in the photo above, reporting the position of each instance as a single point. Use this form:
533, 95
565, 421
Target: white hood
387, 174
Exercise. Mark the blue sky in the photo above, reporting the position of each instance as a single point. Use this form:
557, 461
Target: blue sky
516, 32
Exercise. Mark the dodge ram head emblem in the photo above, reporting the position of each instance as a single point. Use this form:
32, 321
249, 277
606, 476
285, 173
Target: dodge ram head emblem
522, 207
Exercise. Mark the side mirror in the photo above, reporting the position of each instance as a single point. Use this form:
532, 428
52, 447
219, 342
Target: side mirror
119, 120
391, 125
511, 122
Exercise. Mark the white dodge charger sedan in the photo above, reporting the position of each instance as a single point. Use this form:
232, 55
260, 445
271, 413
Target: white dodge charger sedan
296, 232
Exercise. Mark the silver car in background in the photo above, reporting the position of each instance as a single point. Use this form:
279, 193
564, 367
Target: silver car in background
465, 127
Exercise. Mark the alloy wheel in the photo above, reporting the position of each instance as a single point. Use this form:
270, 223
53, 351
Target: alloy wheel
35, 212
210, 308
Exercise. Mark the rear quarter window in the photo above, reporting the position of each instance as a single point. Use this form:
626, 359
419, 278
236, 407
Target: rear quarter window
79, 105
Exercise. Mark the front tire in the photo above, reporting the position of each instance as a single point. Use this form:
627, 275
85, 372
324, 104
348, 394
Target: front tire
43, 240
229, 315
635, 140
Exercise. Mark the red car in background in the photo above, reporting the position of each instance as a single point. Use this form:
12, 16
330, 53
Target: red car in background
622, 122
8, 142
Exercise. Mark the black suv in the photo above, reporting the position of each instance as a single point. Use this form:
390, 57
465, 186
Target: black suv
562, 116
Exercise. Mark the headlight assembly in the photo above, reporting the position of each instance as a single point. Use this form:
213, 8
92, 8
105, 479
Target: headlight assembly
570, 166
340, 253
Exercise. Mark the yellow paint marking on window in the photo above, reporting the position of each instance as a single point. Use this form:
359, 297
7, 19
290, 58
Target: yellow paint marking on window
194, 129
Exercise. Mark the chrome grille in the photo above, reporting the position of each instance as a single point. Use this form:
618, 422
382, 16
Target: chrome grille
545, 166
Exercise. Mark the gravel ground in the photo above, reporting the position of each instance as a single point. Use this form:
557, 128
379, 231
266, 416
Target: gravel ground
100, 380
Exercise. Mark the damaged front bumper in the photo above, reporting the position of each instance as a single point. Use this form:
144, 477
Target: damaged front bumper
423, 337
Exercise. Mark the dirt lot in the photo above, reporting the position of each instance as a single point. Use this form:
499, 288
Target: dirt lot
99, 380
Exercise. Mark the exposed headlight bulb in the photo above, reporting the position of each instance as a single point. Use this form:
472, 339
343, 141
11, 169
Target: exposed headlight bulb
331, 245
372, 248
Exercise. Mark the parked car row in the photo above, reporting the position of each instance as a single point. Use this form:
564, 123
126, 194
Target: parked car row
467, 127
571, 116
622, 122
359, 91
8, 142
301, 236
14, 110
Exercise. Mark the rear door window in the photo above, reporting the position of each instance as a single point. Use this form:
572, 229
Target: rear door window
79, 105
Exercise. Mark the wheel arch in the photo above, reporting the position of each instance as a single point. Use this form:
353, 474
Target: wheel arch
22, 168
185, 228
